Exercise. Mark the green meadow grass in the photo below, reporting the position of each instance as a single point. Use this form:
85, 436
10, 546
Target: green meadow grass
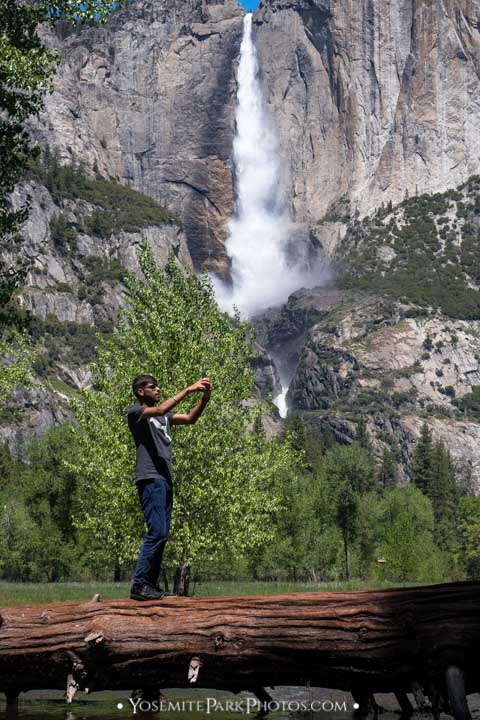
39, 593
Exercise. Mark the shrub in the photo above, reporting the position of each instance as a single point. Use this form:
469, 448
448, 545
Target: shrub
63, 234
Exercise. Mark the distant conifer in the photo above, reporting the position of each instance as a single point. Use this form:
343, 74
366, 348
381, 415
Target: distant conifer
423, 464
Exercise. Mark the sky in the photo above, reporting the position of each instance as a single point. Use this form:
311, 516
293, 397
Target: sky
250, 4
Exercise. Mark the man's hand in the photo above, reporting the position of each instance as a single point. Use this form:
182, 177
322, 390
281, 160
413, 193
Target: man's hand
204, 385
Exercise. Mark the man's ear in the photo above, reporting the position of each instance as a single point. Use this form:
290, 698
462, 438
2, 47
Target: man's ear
141, 392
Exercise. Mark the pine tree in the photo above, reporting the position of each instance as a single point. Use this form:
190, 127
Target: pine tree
313, 448
387, 471
423, 462
258, 429
445, 499
347, 471
362, 436
7, 464
296, 427
328, 439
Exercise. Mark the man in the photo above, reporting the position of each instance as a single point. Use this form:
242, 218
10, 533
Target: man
150, 425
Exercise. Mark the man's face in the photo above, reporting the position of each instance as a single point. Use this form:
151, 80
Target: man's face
149, 393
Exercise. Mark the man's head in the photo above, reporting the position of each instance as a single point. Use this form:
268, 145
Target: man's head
145, 388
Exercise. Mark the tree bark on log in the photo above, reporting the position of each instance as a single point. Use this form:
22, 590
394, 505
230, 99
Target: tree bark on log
422, 639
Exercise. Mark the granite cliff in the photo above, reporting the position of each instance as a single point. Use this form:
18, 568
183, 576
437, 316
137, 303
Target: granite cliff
149, 99
357, 355
372, 101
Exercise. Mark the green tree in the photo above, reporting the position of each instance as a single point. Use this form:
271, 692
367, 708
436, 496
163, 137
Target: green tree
225, 475
296, 427
434, 474
308, 438
327, 438
387, 471
7, 466
37, 502
313, 448
258, 429
20, 540
362, 436
348, 472
307, 541
16, 359
403, 523
444, 499
469, 525
423, 462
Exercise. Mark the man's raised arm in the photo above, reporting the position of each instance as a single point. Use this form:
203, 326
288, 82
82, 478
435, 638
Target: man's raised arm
202, 385
192, 417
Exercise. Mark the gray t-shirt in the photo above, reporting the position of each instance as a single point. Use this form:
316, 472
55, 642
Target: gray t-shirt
153, 440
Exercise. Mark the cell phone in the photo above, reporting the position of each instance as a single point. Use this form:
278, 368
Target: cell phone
204, 373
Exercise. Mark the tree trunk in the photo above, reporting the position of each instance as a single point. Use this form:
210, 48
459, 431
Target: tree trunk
117, 571
346, 552
165, 582
369, 641
181, 582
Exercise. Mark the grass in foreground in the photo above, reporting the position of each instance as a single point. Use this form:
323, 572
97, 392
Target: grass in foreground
39, 593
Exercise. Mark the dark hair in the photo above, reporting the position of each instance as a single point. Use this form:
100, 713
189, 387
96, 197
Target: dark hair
140, 381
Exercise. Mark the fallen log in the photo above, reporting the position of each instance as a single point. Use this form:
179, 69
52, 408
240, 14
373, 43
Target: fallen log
423, 640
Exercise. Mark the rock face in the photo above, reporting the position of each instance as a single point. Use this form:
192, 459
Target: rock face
73, 292
59, 275
149, 99
371, 99
362, 356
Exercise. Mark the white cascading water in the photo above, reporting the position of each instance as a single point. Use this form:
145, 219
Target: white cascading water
259, 233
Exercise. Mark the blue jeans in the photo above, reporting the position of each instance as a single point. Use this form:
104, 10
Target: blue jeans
156, 498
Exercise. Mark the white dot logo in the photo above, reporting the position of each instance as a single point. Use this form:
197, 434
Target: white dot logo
356, 706
119, 706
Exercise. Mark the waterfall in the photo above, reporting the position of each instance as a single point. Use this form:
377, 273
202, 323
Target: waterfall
281, 402
261, 273
259, 232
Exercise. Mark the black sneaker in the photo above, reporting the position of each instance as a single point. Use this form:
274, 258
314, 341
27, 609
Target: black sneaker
145, 592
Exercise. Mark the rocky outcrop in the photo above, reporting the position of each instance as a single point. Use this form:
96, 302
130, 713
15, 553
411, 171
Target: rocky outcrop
60, 272
284, 329
267, 381
371, 99
363, 356
149, 99
74, 290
